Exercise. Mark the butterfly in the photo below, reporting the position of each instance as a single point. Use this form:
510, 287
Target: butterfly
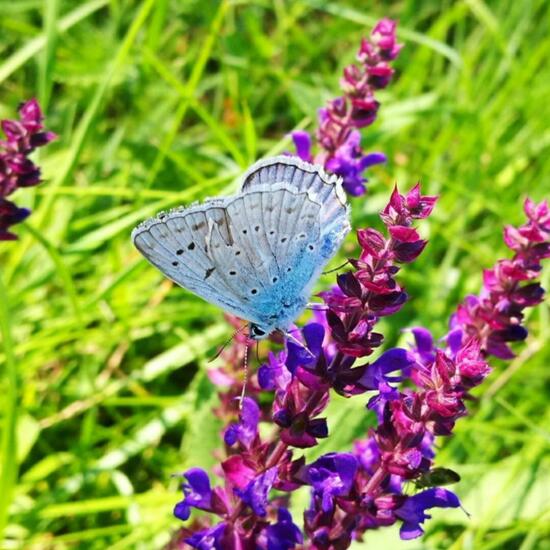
258, 253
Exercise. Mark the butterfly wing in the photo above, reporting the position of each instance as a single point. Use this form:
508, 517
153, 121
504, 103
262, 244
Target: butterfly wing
244, 253
303, 176
177, 244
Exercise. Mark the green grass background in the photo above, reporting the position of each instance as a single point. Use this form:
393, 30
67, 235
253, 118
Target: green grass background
160, 103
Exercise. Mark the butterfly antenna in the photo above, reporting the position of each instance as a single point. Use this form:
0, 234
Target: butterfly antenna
336, 268
243, 391
297, 342
219, 352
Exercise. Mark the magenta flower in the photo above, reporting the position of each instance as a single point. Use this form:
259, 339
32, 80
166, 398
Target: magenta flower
339, 142
16, 169
362, 490
494, 317
371, 291
10, 214
415, 395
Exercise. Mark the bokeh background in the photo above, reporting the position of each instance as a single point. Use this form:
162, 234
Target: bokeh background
162, 102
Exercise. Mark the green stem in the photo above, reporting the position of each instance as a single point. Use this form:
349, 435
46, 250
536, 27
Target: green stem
8, 473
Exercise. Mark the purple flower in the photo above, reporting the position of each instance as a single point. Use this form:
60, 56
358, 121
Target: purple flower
302, 143
331, 476
308, 354
412, 511
329, 347
454, 340
349, 162
284, 534
427, 445
392, 360
256, 492
208, 539
423, 348
274, 375
247, 429
368, 454
197, 491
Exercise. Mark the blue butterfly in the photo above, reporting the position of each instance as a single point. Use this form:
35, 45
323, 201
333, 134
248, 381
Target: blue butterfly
258, 253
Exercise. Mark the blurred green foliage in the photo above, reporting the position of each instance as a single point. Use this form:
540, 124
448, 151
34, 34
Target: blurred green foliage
159, 103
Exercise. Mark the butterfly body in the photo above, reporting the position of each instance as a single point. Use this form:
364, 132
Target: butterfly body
258, 253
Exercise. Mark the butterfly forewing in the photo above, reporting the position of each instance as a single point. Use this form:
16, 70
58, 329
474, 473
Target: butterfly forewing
176, 243
245, 254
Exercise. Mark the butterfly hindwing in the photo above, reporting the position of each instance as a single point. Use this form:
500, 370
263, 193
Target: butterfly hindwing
303, 176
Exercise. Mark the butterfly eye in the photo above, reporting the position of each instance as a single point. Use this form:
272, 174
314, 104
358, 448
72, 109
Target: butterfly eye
256, 330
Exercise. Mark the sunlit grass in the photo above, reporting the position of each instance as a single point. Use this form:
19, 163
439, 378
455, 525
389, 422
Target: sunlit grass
160, 103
